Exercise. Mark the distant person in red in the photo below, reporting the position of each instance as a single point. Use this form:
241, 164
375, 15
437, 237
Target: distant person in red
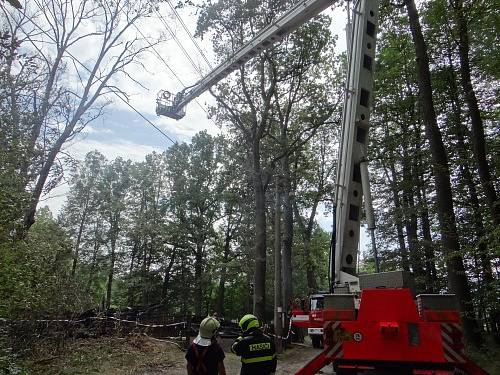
205, 356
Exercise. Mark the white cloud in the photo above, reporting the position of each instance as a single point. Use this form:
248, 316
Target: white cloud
111, 149
89, 129
154, 76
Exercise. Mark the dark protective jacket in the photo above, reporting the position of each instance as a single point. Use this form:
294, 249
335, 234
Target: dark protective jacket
257, 352
205, 359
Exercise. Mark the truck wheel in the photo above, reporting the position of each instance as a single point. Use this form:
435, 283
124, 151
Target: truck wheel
317, 341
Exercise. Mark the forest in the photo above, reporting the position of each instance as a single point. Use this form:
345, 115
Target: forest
235, 222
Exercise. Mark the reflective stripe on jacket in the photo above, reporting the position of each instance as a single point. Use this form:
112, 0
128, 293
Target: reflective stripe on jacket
258, 353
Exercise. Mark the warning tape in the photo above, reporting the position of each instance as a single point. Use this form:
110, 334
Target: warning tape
96, 318
287, 335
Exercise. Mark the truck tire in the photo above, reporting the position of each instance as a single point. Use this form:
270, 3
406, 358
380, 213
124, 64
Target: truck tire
317, 341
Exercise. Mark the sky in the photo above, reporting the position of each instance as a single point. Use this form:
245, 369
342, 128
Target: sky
121, 132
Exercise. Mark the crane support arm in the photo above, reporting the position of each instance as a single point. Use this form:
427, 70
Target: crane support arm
267, 37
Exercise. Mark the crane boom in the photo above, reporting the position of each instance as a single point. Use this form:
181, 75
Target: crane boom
352, 172
174, 106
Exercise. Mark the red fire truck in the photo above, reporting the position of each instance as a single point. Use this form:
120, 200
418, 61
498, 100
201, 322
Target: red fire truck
311, 319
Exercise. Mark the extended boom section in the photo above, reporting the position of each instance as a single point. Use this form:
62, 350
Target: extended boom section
173, 106
353, 145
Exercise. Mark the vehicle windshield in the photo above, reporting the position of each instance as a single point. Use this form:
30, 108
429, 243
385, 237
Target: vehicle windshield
317, 303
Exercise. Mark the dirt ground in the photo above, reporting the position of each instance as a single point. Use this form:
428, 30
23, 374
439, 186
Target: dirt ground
145, 356
288, 363
141, 355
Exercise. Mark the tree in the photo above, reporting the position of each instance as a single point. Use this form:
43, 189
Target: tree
55, 110
246, 106
303, 104
468, 202
273, 105
113, 189
13, 197
195, 199
458, 282
82, 201
35, 275
313, 173
147, 232
234, 203
477, 127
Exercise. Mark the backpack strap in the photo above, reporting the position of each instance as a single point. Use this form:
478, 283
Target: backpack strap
200, 368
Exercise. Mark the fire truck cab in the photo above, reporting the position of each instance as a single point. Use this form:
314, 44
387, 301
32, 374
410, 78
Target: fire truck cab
310, 318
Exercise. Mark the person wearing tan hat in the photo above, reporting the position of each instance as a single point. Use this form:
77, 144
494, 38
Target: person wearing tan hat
205, 356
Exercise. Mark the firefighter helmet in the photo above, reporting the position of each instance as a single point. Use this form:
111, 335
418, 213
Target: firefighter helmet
248, 322
208, 328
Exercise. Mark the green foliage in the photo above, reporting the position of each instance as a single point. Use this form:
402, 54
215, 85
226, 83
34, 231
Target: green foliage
320, 244
9, 361
34, 279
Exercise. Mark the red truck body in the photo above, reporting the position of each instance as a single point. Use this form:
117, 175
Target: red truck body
388, 333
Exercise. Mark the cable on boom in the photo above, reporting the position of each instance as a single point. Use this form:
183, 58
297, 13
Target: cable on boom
189, 34
163, 92
198, 70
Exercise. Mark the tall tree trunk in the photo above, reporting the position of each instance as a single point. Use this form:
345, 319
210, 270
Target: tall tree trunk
398, 215
430, 263
198, 271
287, 228
166, 277
111, 272
278, 303
425, 223
259, 295
411, 220
477, 127
248, 299
131, 288
78, 240
96, 247
482, 254
223, 272
184, 288
29, 215
457, 277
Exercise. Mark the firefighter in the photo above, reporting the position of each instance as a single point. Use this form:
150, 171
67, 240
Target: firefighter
205, 356
257, 351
